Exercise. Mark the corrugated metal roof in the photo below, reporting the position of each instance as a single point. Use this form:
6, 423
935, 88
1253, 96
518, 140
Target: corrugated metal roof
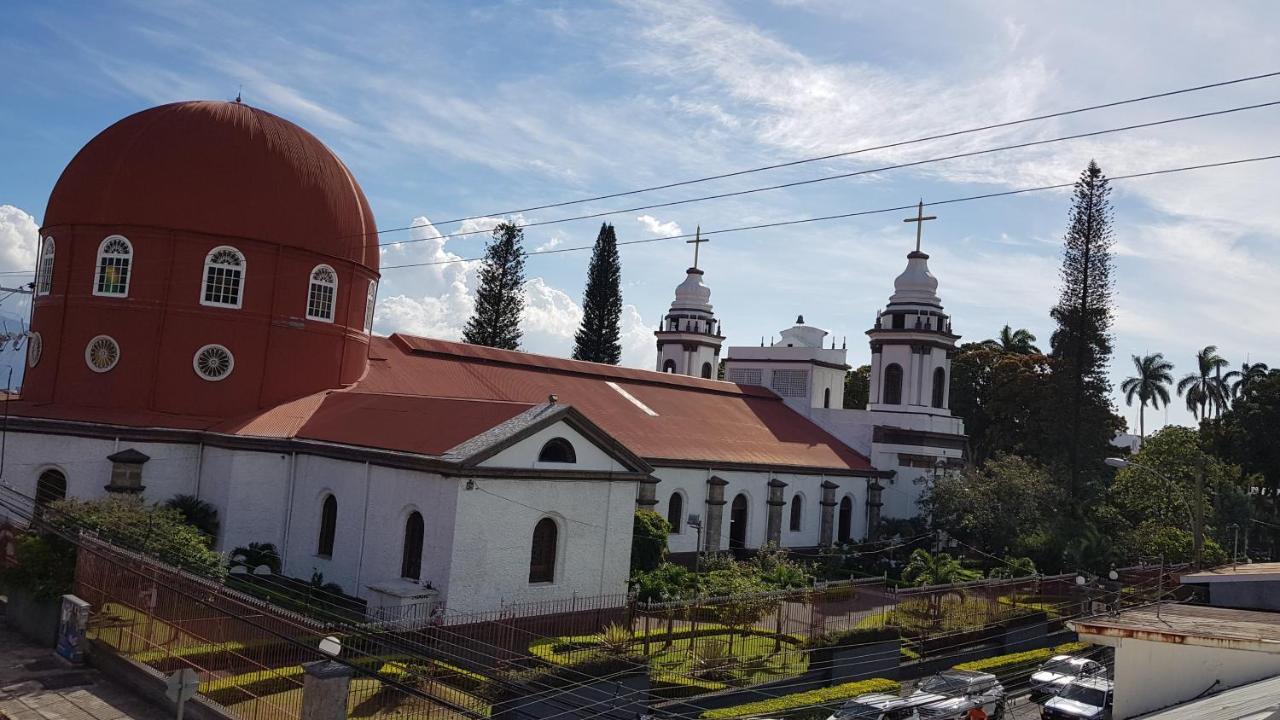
1255, 701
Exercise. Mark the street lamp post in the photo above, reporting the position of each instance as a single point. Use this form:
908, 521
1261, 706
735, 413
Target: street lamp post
1193, 513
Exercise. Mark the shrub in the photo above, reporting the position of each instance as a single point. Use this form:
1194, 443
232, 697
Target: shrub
798, 706
157, 531
615, 639
853, 636
649, 533
201, 515
45, 566
1030, 658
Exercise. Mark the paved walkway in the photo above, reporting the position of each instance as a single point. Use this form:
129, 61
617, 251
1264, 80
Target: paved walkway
34, 685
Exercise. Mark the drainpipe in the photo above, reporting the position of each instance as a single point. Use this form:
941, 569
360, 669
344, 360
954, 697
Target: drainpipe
364, 529
288, 510
604, 545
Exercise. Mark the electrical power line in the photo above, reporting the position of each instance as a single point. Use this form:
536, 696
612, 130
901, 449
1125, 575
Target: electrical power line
859, 213
857, 173
832, 156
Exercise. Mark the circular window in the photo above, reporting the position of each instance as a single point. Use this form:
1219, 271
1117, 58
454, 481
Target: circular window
213, 362
35, 346
102, 353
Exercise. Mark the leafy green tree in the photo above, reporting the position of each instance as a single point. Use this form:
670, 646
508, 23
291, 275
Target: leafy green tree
256, 555
1204, 389
1013, 567
738, 591
597, 339
157, 531
649, 532
198, 513
1018, 342
993, 507
857, 388
779, 570
44, 566
926, 568
1005, 400
667, 582
1150, 386
1082, 341
1248, 436
500, 299
1176, 545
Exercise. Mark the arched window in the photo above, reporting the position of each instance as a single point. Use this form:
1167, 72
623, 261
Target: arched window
939, 387
669, 366
738, 523
321, 293
44, 271
846, 520
411, 557
706, 370
557, 450
542, 558
51, 486
675, 512
224, 269
797, 512
369, 305
114, 257
826, 397
892, 392
328, 526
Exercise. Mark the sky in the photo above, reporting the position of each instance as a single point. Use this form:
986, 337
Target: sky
472, 110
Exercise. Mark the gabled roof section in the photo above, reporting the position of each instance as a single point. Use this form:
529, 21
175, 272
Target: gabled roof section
477, 449
663, 418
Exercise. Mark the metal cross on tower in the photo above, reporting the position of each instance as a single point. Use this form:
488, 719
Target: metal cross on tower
696, 242
919, 220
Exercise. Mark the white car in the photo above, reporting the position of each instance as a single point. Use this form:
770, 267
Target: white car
876, 706
951, 694
1060, 670
1081, 699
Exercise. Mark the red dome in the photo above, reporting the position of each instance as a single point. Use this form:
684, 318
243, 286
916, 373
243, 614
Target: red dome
220, 168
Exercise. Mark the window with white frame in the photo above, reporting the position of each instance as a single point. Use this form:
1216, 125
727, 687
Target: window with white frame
115, 255
44, 271
321, 293
369, 305
224, 269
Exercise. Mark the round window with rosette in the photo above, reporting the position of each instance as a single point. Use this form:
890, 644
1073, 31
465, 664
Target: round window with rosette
35, 346
213, 362
102, 353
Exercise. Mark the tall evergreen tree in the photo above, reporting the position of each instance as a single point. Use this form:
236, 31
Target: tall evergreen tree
1082, 341
597, 339
500, 300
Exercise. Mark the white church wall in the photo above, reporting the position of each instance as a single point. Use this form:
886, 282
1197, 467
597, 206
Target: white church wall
255, 491
524, 454
493, 540
393, 495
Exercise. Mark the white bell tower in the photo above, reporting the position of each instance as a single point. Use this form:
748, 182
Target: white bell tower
689, 338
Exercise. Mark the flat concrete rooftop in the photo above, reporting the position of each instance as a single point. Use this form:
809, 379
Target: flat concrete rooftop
1187, 625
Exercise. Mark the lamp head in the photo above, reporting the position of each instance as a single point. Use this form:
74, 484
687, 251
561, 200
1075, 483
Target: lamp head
1116, 462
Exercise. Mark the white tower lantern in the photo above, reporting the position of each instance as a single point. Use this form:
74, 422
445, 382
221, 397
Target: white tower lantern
689, 338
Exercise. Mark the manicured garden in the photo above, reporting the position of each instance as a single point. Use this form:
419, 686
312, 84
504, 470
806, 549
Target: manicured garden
810, 705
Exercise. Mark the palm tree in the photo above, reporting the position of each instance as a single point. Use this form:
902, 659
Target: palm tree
1150, 386
257, 555
1239, 380
1017, 342
199, 514
1203, 389
924, 568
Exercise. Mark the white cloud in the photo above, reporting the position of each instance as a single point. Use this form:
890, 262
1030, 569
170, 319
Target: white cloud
657, 227
19, 239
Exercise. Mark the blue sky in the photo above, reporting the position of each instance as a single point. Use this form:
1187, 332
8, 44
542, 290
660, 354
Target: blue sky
452, 110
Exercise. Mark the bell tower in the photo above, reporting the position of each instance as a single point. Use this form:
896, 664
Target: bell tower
690, 338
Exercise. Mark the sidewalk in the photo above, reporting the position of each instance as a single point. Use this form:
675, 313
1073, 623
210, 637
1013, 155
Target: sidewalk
34, 685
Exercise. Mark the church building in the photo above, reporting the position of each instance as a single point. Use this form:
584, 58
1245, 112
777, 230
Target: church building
201, 325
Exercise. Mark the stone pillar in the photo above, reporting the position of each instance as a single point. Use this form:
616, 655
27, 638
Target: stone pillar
826, 532
715, 514
874, 488
324, 690
647, 497
775, 502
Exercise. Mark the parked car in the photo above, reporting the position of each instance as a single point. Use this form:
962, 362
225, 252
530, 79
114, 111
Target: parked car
876, 706
951, 694
1086, 698
1060, 670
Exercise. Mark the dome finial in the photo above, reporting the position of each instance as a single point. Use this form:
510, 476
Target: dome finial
696, 242
239, 89
919, 220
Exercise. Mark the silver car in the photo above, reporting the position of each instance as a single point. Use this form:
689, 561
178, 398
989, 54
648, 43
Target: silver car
951, 694
1081, 699
1060, 670
876, 706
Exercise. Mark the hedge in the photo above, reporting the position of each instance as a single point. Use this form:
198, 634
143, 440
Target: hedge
674, 687
854, 636
1005, 662
789, 705
568, 650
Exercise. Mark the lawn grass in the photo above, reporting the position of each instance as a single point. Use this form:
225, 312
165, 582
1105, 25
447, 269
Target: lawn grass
754, 659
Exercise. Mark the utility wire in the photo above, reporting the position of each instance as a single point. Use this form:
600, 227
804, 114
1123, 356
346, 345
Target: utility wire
859, 213
857, 173
847, 153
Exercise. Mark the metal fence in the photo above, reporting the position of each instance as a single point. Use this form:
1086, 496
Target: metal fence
249, 654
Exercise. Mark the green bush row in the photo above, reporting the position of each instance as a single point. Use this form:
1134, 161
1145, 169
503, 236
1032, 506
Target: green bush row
1004, 662
803, 702
569, 649
674, 687
854, 636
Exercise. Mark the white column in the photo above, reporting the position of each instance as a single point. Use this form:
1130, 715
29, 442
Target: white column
911, 391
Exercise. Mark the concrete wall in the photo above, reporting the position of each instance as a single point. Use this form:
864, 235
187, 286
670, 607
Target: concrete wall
623, 697
1152, 675
1248, 595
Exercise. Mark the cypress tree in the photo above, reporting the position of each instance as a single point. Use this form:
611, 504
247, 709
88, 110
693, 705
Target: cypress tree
597, 338
1082, 342
500, 300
